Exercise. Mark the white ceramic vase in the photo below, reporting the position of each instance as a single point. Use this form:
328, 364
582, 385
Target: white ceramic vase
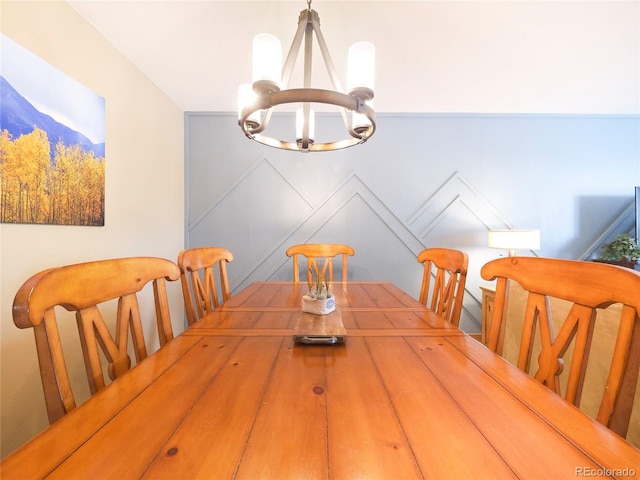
318, 306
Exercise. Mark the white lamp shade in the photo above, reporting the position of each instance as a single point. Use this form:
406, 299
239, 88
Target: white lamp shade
515, 239
360, 120
300, 124
361, 66
267, 58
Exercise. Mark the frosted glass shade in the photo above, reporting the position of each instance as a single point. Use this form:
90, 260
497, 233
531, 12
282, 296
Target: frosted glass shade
267, 58
360, 121
514, 239
361, 66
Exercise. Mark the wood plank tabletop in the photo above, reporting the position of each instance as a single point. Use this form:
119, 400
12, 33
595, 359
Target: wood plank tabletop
407, 396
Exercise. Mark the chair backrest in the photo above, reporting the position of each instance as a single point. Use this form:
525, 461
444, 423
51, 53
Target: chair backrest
443, 281
315, 251
81, 288
587, 286
199, 287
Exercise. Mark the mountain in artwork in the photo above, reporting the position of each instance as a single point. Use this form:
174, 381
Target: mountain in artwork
19, 117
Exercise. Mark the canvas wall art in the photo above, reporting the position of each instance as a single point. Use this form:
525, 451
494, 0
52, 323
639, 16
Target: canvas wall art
52, 144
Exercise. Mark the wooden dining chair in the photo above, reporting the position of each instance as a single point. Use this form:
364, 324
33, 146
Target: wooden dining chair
586, 286
315, 251
443, 281
199, 287
82, 288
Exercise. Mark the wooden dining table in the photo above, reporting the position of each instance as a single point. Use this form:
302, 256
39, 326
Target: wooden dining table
406, 396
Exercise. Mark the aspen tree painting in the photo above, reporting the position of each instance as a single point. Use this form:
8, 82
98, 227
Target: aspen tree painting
52, 146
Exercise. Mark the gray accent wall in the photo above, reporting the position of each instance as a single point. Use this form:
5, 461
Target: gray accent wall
423, 180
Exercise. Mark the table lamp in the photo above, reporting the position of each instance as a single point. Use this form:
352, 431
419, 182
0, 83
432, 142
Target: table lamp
513, 240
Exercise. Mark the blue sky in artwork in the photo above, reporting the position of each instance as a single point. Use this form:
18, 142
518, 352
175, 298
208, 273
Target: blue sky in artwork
52, 91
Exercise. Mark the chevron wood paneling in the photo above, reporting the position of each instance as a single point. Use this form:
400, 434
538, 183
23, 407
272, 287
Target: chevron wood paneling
422, 181
412, 235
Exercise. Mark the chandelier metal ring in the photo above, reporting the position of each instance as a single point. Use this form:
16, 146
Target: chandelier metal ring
271, 99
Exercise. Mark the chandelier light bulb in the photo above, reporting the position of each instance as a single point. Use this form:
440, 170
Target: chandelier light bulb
300, 125
360, 121
246, 97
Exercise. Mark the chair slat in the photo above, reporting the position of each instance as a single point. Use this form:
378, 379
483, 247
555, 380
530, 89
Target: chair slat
622, 381
163, 316
129, 320
58, 395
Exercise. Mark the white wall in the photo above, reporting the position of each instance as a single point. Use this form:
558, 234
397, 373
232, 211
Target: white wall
432, 56
144, 193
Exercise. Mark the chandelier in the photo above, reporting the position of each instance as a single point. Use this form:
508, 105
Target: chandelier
270, 88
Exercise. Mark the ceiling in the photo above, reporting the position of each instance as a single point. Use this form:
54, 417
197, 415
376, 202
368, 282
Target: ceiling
431, 56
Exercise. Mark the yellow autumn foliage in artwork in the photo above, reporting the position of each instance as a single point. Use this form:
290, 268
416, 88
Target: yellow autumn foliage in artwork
68, 190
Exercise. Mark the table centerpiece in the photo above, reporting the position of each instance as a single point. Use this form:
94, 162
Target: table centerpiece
319, 300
